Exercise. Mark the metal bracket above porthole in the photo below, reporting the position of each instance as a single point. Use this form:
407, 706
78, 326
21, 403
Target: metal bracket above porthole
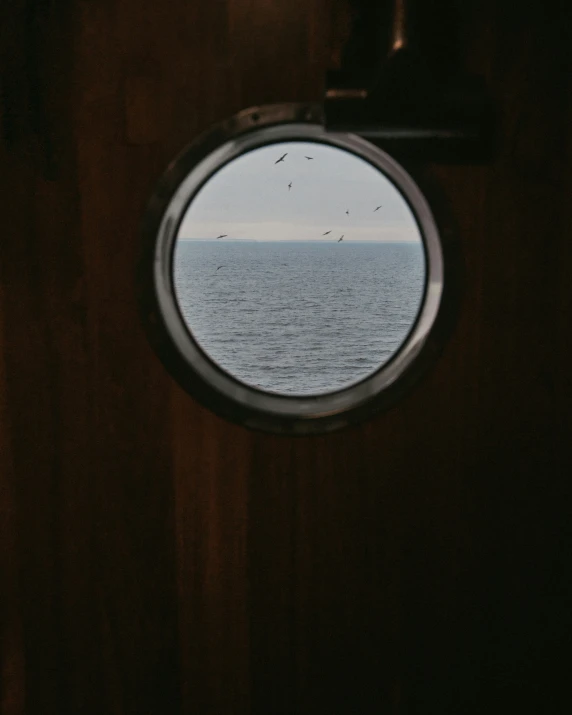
401, 85
293, 279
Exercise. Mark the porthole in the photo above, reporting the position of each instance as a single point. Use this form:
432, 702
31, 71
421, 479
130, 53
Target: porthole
292, 278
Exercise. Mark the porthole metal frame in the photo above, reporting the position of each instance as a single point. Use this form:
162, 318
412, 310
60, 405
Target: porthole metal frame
173, 341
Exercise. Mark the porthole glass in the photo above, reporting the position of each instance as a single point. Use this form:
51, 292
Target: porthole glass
299, 268
295, 275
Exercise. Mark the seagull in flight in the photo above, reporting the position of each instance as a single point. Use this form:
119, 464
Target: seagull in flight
218, 269
289, 186
327, 232
223, 235
341, 238
281, 158
377, 209
310, 158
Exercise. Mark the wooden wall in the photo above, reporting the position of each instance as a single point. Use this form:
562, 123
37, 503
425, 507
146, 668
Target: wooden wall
155, 559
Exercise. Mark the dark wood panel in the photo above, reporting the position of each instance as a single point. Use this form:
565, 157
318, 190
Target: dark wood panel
12, 666
160, 560
134, 550
88, 419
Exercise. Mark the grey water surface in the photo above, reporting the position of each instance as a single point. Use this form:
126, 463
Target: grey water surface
299, 317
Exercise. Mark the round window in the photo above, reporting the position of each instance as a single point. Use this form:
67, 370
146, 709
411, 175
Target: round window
292, 276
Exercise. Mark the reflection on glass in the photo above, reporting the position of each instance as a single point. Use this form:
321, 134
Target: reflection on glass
299, 268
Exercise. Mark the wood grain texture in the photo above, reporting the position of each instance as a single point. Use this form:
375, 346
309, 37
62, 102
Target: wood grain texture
12, 665
159, 560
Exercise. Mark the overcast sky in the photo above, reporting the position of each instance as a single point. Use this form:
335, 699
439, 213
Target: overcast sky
249, 198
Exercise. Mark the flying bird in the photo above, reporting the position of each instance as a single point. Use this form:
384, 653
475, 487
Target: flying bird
377, 209
223, 235
218, 269
341, 238
281, 158
289, 186
327, 232
310, 158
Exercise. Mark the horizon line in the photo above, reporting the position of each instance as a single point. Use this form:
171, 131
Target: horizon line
296, 240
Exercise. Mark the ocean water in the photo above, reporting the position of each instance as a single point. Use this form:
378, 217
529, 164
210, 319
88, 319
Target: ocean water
299, 318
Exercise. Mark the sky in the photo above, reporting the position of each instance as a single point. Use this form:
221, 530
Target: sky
249, 199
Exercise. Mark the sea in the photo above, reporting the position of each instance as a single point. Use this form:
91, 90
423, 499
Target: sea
299, 318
